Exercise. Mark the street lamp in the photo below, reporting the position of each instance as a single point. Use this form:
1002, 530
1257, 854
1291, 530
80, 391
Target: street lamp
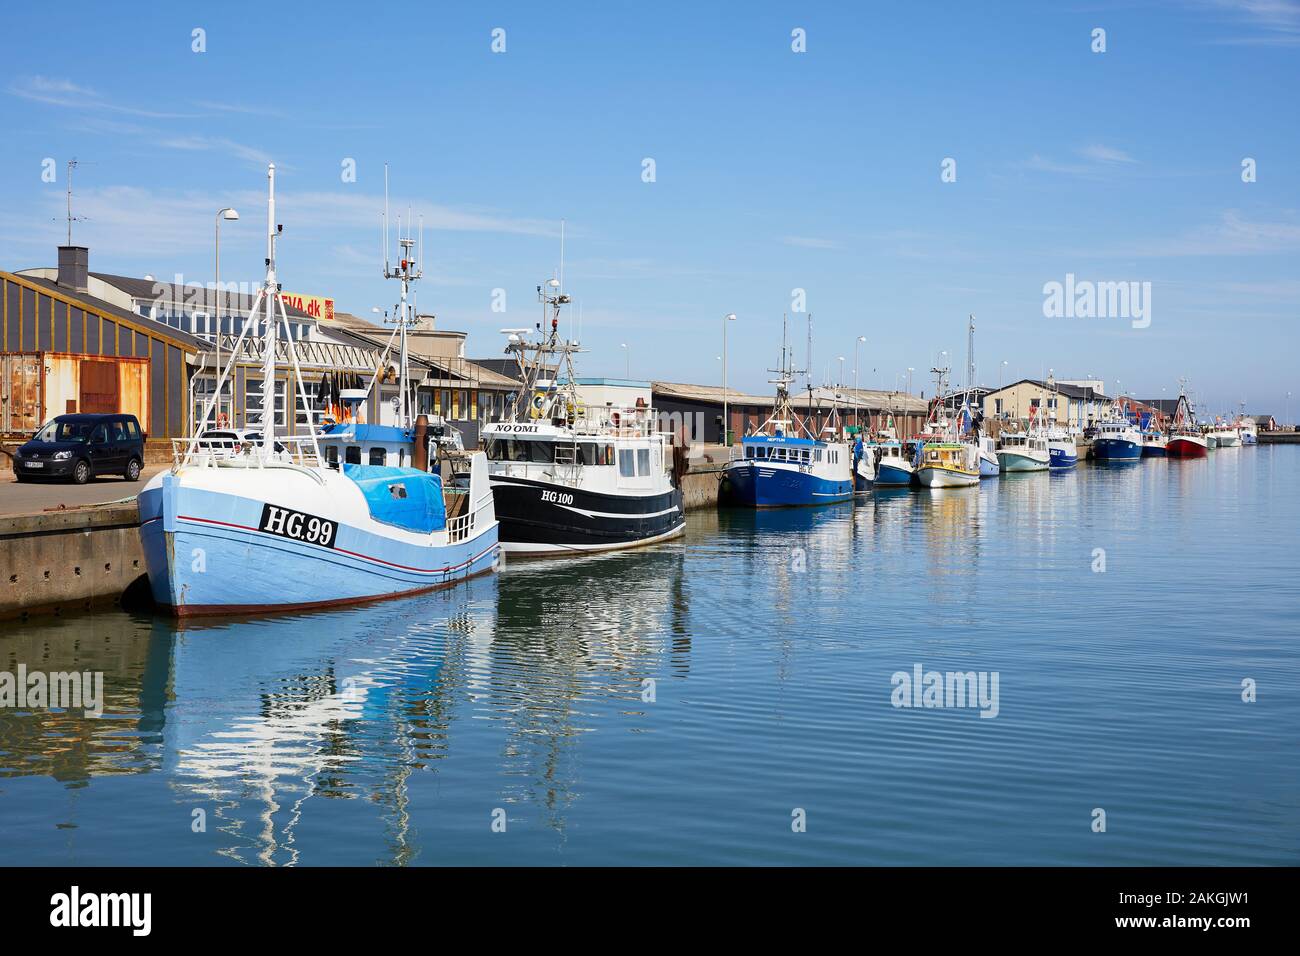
1001, 369
726, 419
857, 398
229, 215
628, 355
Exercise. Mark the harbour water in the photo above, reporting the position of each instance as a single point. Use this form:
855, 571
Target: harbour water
398, 733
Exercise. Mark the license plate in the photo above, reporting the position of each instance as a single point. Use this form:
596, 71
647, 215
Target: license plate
298, 526
34, 464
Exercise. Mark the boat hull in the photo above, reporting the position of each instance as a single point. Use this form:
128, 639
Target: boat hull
933, 476
1153, 450
864, 477
752, 485
1227, 440
1011, 462
539, 517
1185, 447
1116, 449
1062, 455
989, 467
206, 552
893, 475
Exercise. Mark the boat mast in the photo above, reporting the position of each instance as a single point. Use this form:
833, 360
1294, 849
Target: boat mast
408, 270
270, 295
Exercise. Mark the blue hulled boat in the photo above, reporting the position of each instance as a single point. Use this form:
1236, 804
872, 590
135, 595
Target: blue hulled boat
781, 469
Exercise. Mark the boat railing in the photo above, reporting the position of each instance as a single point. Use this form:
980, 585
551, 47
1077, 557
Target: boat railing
461, 527
243, 453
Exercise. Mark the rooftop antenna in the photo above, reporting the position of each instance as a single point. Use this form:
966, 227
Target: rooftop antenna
72, 164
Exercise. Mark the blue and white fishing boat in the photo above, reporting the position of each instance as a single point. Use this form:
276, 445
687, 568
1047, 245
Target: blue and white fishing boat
1061, 447
277, 524
1154, 443
782, 469
893, 465
1116, 438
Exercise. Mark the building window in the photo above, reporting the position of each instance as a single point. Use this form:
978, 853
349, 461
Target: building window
997, 406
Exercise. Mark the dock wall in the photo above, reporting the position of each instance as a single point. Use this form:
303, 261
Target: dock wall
68, 560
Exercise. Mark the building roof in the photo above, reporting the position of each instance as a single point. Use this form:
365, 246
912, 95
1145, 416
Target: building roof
1165, 406
1069, 391
168, 291
872, 399
183, 339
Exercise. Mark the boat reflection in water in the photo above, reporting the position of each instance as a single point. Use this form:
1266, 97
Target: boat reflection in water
280, 729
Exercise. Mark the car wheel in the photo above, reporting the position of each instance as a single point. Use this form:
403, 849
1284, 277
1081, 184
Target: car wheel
81, 473
133, 470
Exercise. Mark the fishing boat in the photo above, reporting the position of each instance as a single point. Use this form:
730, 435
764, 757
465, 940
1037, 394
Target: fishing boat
1186, 440
864, 465
782, 468
573, 478
1246, 429
1226, 436
947, 464
893, 465
1155, 444
1116, 438
1061, 448
247, 531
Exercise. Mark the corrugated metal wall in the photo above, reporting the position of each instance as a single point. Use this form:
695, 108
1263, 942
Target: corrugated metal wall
33, 319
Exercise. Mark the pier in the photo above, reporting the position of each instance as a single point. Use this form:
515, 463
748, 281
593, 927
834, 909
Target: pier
69, 560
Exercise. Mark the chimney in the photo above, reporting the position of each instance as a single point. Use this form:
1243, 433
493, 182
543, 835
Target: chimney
73, 267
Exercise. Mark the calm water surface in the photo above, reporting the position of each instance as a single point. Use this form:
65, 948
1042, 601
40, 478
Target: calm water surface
390, 734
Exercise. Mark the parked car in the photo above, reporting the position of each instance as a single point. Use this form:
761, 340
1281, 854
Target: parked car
82, 447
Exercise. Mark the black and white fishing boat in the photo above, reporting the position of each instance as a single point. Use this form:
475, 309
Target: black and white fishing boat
569, 478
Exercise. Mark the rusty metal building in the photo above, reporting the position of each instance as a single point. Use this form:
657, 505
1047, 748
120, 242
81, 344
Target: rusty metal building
63, 350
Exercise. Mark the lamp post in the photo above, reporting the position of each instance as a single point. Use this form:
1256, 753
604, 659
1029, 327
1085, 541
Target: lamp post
1001, 368
726, 419
230, 215
627, 352
857, 398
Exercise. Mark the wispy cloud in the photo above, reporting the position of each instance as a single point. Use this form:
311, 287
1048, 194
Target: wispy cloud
219, 144
65, 93
809, 242
240, 108
1270, 22
1106, 154
1231, 235
1096, 160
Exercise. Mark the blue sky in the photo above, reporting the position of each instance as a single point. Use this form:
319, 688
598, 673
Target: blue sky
775, 170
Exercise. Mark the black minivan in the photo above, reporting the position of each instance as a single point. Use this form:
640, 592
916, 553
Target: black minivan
82, 447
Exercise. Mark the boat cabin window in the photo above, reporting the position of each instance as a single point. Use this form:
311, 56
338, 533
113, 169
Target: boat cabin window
378, 456
609, 455
625, 468
749, 451
817, 454
352, 455
332, 456
514, 449
643, 461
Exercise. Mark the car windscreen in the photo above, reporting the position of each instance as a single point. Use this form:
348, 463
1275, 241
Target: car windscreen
66, 431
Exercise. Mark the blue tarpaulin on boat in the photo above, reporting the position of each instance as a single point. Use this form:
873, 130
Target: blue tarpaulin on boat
403, 497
